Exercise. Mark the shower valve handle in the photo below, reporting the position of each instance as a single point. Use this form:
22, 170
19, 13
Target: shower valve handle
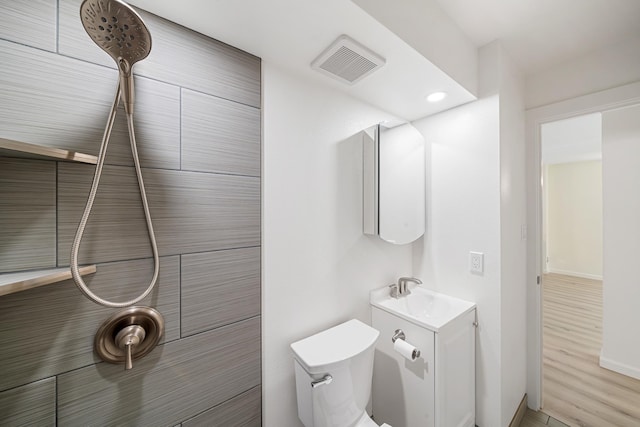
126, 339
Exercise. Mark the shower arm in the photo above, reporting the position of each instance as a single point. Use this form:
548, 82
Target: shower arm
87, 211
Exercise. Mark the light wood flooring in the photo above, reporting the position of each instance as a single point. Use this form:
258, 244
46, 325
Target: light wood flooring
576, 390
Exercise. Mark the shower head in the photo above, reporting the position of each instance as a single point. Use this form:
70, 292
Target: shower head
118, 30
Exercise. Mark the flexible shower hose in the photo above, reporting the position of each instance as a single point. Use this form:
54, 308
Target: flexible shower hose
87, 211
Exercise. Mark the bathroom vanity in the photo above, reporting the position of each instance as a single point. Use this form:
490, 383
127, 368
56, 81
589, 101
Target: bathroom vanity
438, 387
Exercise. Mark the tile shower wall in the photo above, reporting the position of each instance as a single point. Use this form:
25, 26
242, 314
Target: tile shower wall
198, 128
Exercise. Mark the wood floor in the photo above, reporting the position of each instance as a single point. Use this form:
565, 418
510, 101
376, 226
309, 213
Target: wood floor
576, 390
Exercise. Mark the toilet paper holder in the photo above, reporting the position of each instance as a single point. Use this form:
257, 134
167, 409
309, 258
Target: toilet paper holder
399, 335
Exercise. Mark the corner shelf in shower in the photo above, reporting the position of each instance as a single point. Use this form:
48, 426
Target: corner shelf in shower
23, 280
11, 148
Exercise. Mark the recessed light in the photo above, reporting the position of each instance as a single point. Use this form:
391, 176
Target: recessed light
437, 96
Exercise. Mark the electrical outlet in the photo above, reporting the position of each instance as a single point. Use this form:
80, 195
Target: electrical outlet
476, 262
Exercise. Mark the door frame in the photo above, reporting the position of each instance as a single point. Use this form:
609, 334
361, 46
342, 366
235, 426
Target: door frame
602, 101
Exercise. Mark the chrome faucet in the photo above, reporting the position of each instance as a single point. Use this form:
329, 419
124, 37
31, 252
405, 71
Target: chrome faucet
401, 289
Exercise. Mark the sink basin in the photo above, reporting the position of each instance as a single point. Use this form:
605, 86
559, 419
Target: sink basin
426, 308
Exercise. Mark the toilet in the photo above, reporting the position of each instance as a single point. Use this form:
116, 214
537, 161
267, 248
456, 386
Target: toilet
333, 370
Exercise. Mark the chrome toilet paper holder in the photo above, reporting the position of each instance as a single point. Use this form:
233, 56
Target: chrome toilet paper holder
399, 335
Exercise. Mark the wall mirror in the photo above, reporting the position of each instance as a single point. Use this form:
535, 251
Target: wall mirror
394, 183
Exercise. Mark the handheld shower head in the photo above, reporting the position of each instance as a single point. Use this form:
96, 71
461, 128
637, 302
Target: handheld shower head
118, 30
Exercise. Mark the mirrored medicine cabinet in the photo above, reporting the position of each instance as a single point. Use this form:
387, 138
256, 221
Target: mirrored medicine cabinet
394, 183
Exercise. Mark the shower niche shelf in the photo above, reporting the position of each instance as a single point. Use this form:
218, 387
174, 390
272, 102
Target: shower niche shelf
25, 150
23, 280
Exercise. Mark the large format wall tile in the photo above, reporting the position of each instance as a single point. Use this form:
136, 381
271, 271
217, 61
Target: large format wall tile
191, 212
31, 405
178, 55
177, 381
198, 212
56, 101
219, 135
219, 288
205, 204
27, 214
116, 229
29, 22
241, 411
49, 330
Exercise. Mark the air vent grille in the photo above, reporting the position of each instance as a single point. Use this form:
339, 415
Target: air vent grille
347, 60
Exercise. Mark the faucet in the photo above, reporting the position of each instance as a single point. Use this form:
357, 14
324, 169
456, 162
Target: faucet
401, 289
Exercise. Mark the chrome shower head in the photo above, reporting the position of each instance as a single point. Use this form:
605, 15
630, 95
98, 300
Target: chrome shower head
118, 30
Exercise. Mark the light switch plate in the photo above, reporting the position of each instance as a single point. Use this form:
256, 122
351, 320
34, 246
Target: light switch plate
476, 262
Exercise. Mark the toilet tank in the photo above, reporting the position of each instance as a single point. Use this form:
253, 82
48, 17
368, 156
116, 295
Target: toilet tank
346, 353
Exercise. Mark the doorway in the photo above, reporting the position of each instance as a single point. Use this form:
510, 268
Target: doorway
605, 100
575, 387
571, 152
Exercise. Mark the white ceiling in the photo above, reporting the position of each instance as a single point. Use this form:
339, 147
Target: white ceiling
572, 140
542, 33
291, 33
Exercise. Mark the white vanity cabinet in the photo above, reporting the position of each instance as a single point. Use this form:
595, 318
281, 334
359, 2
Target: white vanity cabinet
455, 371
435, 390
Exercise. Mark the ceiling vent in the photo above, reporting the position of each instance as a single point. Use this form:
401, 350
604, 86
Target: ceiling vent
347, 60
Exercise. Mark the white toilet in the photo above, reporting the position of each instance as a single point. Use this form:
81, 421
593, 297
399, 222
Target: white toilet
334, 369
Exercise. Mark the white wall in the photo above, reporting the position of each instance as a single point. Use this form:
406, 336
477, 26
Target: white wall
476, 203
318, 267
602, 69
621, 290
577, 139
424, 25
574, 218
463, 214
512, 244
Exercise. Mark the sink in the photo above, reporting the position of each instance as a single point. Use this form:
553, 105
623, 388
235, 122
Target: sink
423, 307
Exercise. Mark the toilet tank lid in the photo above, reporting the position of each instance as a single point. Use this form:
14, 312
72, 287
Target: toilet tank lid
334, 345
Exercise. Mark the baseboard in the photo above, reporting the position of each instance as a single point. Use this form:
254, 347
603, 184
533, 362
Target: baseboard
620, 368
575, 274
520, 413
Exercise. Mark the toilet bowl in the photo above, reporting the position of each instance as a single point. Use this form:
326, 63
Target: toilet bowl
333, 371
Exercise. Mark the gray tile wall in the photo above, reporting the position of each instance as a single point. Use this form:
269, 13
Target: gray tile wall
219, 288
240, 411
198, 129
191, 212
50, 329
62, 101
27, 214
179, 56
219, 135
178, 380
29, 405
29, 22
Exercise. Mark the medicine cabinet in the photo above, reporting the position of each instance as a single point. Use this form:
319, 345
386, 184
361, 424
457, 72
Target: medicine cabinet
394, 183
